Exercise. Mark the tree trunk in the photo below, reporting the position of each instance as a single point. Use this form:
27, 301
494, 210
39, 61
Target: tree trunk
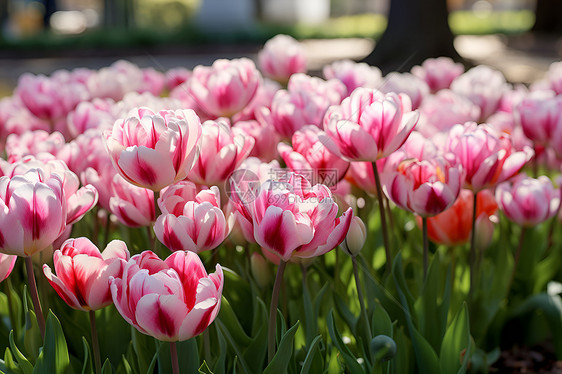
548, 17
416, 30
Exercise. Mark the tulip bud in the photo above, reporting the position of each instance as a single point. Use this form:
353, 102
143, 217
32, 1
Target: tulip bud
383, 348
260, 270
355, 238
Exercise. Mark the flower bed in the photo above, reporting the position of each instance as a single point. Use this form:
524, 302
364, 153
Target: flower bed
230, 219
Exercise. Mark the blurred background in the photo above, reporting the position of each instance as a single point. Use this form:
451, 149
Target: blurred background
519, 37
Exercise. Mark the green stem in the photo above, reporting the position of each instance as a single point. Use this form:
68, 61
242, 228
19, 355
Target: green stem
95, 342
35, 295
157, 211
360, 296
383, 218
516, 262
174, 358
553, 226
272, 328
472, 251
106, 231
425, 248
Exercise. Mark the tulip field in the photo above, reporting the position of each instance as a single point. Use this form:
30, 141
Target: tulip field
246, 217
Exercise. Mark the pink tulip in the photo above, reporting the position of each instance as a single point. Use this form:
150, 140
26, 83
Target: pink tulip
540, 116
153, 81
483, 86
361, 175
454, 225
221, 153
78, 200
264, 135
281, 57
94, 114
303, 103
487, 158
115, 81
7, 263
171, 300
441, 111
176, 76
51, 98
154, 150
309, 156
132, 101
191, 221
15, 118
226, 87
133, 206
368, 125
33, 143
422, 186
293, 219
83, 273
353, 74
406, 83
438, 73
528, 201
33, 210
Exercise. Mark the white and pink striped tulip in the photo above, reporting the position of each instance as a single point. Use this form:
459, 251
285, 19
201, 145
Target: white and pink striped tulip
528, 201
220, 154
154, 150
438, 72
191, 220
133, 206
281, 57
83, 273
226, 87
353, 74
368, 125
171, 300
7, 263
32, 212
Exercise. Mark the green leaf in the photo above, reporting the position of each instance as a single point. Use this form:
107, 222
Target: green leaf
381, 323
9, 365
349, 358
87, 367
53, 359
143, 346
231, 322
312, 351
152, 364
220, 363
280, 361
24, 364
426, 358
455, 342
124, 367
235, 347
107, 368
204, 368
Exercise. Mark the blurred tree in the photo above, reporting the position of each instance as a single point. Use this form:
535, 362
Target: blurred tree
548, 17
416, 30
119, 13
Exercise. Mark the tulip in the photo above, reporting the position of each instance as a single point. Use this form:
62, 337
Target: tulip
309, 155
487, 158
281, 57
264, 135
82, 272
483, 86
226, 87
426, 187
191, 221
293, 219
154, 150
33, 212
406, 83
454, 225
540, 116
171, 300
438, 73
90, 115
78, 200
133, 206
115, 81
353, 74
303, 103
221, 153
528, 201
176, 76
7, 263
368, 125
554, 76
355, 238
33, 143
